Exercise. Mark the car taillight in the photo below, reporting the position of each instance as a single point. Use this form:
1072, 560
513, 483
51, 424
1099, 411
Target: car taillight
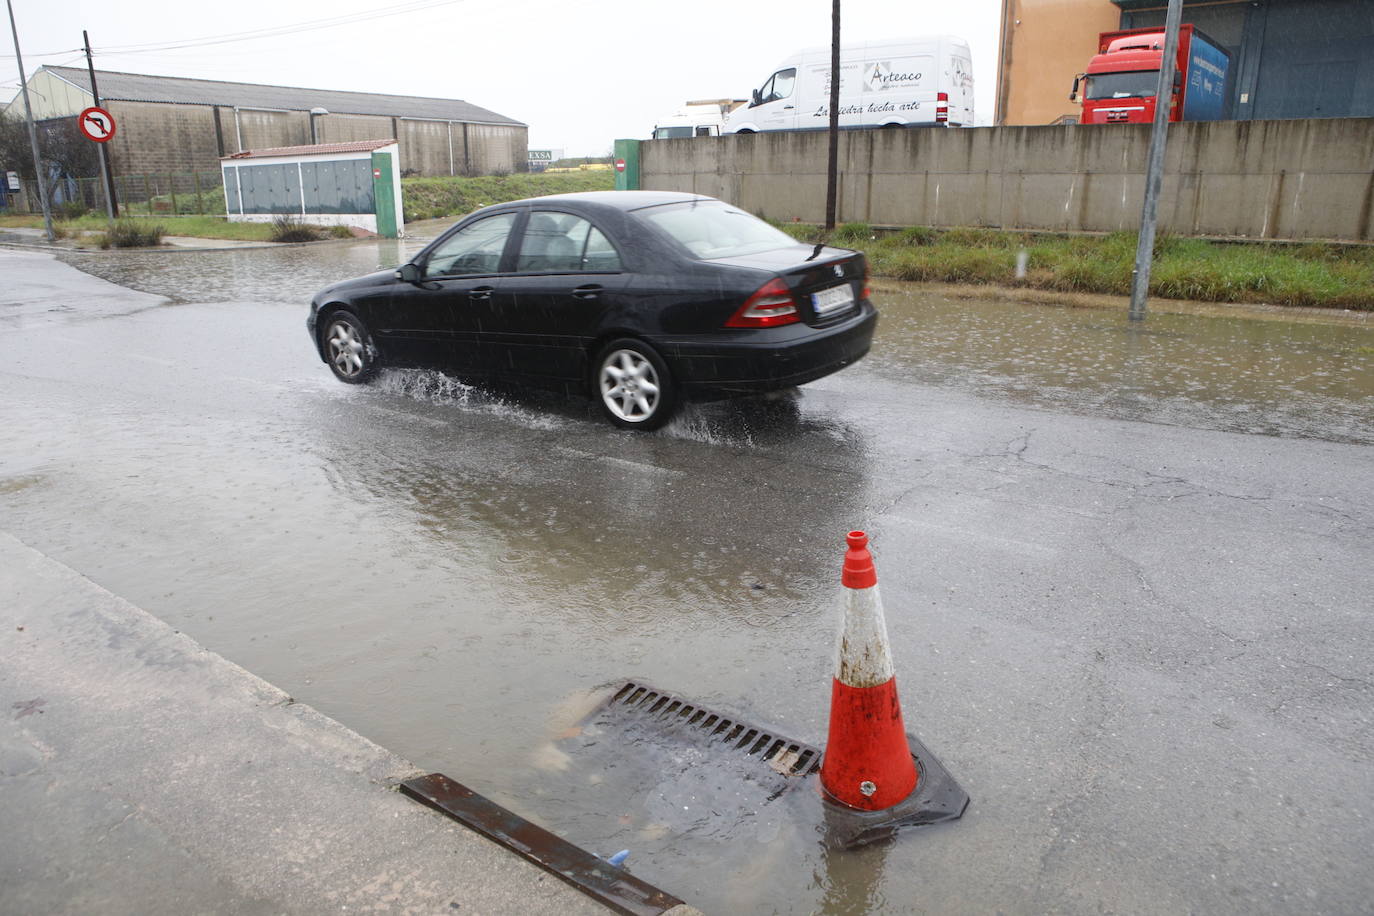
942, 108
771, 306
868, 293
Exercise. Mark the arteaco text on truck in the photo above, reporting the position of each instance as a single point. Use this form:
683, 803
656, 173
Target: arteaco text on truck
898, 82
1121, 80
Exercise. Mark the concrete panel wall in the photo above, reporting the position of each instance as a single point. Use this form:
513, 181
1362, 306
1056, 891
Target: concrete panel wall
496, 149
425, 147
345, 128
271, 129
162, 139
1261, 179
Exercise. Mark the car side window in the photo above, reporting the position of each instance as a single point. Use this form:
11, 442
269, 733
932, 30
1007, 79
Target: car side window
563, 243
474, 249
782, 84
765, 93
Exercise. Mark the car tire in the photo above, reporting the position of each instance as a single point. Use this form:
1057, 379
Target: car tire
633, 386
348, 349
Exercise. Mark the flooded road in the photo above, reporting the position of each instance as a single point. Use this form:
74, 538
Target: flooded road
1127, 576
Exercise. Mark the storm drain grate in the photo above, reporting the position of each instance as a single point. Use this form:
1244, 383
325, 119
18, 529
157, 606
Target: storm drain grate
660, 708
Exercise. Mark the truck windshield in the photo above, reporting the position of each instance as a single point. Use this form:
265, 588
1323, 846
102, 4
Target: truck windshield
1134, 84
668, 133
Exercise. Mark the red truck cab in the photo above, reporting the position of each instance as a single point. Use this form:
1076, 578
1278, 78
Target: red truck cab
1123, 77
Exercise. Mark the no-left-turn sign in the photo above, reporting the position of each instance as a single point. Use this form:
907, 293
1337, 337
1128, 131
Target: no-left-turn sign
96, 124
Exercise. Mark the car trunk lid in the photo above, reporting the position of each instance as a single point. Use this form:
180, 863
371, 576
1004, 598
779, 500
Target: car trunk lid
827, 283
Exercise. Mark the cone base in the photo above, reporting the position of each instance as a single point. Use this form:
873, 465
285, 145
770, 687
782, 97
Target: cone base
937, 798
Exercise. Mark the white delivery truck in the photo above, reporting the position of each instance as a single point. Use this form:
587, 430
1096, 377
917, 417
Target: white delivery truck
899, 82
696, 119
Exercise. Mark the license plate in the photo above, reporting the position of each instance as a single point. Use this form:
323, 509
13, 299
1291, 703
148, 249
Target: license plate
832, 300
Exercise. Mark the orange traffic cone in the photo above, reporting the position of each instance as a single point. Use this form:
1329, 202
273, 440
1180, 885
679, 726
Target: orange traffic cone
868, 763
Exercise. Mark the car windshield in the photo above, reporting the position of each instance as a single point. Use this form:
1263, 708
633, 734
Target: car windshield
1133, 84
710, 229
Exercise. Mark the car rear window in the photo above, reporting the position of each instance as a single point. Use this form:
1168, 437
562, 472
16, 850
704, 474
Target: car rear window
710, 229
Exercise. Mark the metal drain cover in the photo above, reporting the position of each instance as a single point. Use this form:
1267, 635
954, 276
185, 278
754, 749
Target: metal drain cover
662, 765
656, 766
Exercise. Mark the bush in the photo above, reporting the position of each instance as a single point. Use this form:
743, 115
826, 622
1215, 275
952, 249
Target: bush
132, 234
290, 229
917, 235
853, 232
71, 209
340, 232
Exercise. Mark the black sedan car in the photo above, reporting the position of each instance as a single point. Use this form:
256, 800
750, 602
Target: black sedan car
641, 298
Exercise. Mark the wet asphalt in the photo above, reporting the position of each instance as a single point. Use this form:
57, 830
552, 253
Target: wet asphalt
1127, 575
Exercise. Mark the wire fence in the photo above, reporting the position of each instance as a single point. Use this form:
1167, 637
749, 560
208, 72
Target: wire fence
149, 194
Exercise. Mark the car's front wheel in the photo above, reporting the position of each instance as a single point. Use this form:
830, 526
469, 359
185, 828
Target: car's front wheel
633, 386
348, 348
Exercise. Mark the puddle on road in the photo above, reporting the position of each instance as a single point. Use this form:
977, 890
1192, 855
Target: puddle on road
1234, 373
435, 564
289, 274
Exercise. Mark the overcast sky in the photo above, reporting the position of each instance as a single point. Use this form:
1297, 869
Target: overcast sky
580, 74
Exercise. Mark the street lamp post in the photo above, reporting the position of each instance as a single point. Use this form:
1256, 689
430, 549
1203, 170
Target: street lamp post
33, 131
1154, 170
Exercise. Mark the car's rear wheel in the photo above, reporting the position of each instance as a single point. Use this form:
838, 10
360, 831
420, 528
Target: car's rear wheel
632, 384
348, 348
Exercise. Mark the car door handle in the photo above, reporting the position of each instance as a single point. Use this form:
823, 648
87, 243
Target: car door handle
481, 292
588, 291
788, 107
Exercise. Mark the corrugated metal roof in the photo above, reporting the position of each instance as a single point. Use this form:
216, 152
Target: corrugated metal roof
318, 149
136, 87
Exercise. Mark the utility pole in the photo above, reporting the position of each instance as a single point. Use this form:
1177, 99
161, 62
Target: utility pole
106, 174
1154, 169
33, 131
832, 165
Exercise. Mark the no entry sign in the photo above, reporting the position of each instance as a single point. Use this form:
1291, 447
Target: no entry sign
620, 165
96, 124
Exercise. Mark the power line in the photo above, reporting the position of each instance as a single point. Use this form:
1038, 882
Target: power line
257, 34
46, 54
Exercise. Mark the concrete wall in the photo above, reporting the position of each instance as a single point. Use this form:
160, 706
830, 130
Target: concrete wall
494, 148
1262, 179
345, 128
157, 138
426, 149
269, 129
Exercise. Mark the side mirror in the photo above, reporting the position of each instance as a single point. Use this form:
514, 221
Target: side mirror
1073, 93
758, 99
408, 273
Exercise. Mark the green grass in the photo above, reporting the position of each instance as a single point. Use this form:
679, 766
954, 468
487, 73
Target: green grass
1313, 274
435, 198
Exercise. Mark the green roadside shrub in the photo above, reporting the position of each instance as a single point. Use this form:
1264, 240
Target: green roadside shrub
287, 228
132, 234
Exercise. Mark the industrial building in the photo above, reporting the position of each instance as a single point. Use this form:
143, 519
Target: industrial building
1289, 58
171, 125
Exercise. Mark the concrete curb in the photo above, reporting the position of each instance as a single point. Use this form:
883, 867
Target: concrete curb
141, 773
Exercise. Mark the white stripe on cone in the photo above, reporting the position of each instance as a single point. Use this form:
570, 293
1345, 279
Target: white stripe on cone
864, 658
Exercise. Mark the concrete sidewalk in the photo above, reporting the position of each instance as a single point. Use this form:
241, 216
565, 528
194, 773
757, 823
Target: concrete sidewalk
142, 774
